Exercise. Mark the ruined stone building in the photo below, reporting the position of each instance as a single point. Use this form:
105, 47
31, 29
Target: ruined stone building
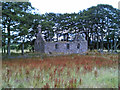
79, 45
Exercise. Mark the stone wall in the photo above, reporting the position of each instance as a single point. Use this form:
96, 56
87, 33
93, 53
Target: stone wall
73, 47
79, 45
39, 44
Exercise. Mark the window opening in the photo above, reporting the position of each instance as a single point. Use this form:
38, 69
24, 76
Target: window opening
78, 46
56, 46
68, 46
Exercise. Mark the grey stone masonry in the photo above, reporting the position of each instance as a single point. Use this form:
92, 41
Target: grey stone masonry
79, 45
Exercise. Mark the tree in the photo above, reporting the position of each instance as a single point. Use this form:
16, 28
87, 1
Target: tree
99, 19
12, 13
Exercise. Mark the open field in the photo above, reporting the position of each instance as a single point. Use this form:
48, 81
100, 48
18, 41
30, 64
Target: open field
69, 71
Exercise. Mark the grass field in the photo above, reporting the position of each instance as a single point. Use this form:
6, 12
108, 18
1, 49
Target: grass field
69, 71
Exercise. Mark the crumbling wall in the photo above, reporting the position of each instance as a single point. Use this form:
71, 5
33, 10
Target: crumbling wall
74, 47
79, 45
40, 44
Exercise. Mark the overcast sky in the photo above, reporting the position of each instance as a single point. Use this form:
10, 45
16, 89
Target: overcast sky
68, 6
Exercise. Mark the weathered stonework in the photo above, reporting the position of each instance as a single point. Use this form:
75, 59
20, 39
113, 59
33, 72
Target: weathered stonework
79, 45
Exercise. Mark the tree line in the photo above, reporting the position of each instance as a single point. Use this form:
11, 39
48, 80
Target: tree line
99, 25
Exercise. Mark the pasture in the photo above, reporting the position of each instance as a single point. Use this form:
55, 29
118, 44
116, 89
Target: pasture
65, 71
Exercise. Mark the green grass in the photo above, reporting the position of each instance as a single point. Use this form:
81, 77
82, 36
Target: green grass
106, 78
